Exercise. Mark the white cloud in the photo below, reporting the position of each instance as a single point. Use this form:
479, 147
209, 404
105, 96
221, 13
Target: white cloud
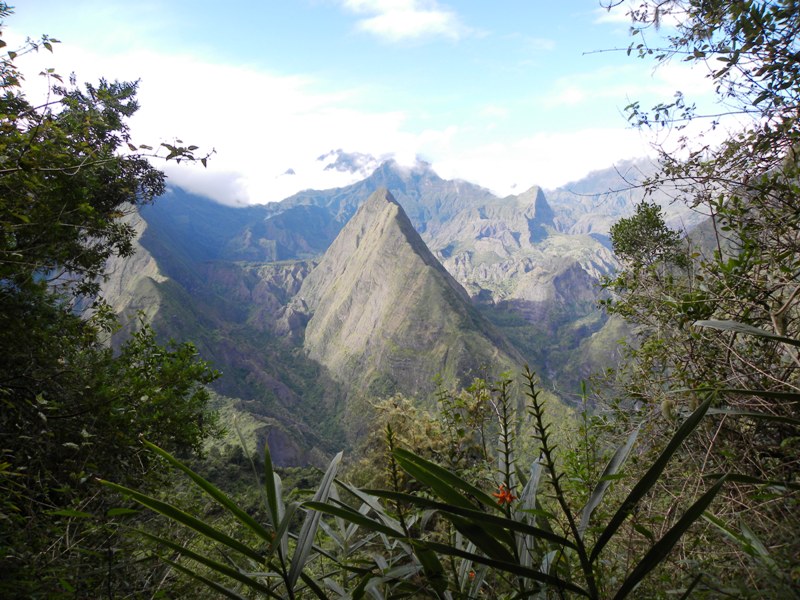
261, 124
545, 159
397, 20
635, 82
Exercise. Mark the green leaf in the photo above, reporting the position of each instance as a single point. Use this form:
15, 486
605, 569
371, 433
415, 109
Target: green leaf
306, 537
650, 478
747, 479
220, 589
610, 472
478, 535
513, 568
442, 481
737, 327
271, 487
313, 586
785, 396
431, 565
662, 548
348, 514
215, 493
217, 567
178, 516
496, 522
68, 512
734, 412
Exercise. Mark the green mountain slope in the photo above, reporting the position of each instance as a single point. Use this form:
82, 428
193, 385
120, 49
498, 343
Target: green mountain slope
387, 317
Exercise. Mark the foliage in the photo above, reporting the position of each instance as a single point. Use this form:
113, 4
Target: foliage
71, 409
644, 240
443, 536
742, 265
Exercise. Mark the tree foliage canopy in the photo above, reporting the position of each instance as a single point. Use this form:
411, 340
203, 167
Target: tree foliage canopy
742, 264
71, 409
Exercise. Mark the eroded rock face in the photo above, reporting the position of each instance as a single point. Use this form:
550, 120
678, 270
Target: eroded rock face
385, 312
126, 290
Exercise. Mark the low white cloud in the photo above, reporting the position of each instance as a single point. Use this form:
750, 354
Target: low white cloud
261, 124
631, 82
546, 159
269, 128
397, 20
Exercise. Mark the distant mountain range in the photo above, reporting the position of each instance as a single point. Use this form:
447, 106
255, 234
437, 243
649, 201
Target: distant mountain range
313, 305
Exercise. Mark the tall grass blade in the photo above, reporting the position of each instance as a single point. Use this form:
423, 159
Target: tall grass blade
357, 518
512, 568
442, 481
178, 516
220, 589
214, 565
271, 487
733, 412
496, 524
527, 501
737, 327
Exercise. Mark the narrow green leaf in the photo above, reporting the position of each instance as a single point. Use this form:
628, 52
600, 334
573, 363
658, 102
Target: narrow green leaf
662, 548
611, 470
737, 327
357, 518
486, 542
313, 586
215, 493
309, 529
786, 396
650, 478
747, 479
431, 566
68, 512
220, 589
513, 568
178, 516
733, 412
121, 512
372, 502
497, 522
269, 483
282, 531
522, 513
215, 566
442, 481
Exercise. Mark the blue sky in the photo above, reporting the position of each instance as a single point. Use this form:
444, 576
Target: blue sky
507, 94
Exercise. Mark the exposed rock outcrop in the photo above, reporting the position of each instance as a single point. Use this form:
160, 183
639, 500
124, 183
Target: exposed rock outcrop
387, 316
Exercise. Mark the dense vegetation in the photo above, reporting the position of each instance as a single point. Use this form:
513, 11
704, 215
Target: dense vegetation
70, 409
679, 477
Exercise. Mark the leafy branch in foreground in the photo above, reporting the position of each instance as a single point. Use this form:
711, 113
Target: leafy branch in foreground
535, 544
265, 567
494, 535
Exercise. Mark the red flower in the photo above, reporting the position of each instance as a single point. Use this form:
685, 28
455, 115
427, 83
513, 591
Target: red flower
471, 575
504, 495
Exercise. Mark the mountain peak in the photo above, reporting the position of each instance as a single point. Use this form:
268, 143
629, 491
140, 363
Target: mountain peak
385, 311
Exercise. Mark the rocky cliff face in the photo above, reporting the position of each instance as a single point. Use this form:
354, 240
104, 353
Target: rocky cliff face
386, 316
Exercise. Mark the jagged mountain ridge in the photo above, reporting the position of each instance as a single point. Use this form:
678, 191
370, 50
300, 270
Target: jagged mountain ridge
233, 280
